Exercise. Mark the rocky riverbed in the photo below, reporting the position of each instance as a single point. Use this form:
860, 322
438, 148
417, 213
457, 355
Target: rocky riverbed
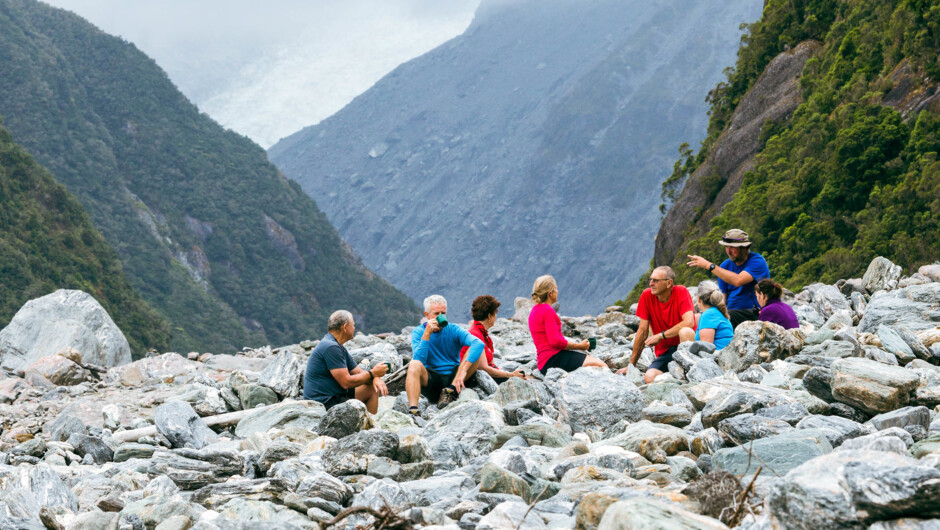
833, 425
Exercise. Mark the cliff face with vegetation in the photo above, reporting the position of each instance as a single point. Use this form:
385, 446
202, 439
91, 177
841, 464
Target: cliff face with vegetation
846, 167
48, 242
210, 233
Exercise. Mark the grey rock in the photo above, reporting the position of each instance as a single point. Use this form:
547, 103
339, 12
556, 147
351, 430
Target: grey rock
833, 348
428, 491
182, 426
817, 381
917, 307
484, 382
191, 469
914, 420
704, 370
605, 457
213, 496
701, 348
662, 412
352, 454
93, 521
277, 451
59, 370
779, 453
301, 414
892, 342
60, 320
624, 515
651, 439
791, 413
511, 514
881, 275
401, 403
35, 447
597, 398
836, 429
99, 451
747, 427
706, 442
345, 419
847, 489
757, 342
753, 374
727, 406
871, 386
892, 439
247, 514
126, 451
474, 424
534, 434
916, 346
324, 486
515, 389
251, 396
284, 374
828, 300
382, 493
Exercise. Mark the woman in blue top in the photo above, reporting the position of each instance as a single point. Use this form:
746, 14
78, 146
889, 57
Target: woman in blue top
713, 324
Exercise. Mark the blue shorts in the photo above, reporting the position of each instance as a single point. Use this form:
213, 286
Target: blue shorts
661, 363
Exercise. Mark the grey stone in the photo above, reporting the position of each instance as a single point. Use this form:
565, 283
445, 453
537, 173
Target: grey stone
871, 386
892, 342
474, 424
727, 406
511, 514
515, 389
779, 453
704, 370
182, 426
191, 469
345, 419
324, 486
849, 489
651, 439
84, 445
828, 300
213, 496
757, 342
604, 457
624, 515
662, 412
881, 275
60, 320
352, 455
817, 381
836, 429
35, 447
59, 371
247, 514
917, 307
596, 398
833, 348
747, 427
284, 374
916, 346
700, 348
93, 521
791, 413
484, 382
302, 414
378, 495
892, 439
914, 420
251, 395
534, 434
706, 442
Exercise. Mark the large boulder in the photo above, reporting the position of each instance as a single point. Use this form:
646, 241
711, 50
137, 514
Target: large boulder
649, 439
182, 426
59, 370
852, 489
596, 398
301, 414
779, 453
758, 342
61, 320
882, 275
284, 375
474, 423
872, 386
353, 454
917, 307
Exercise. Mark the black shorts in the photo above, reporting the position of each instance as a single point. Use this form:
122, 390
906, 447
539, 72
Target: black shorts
350, 393
436, 383
661, 363
567, 360
742, 315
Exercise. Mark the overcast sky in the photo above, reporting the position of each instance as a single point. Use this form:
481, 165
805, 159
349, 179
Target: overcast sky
267, 69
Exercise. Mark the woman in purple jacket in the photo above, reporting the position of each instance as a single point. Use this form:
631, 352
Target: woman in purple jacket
773, 309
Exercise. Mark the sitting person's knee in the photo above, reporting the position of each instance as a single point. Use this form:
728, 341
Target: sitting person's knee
415, 367
650, 375
686, 335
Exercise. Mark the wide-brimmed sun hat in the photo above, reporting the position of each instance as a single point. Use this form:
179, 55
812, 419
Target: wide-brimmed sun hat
735, 238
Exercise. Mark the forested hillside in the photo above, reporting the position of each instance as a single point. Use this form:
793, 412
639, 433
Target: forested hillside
47, 242
209, 232
851, 174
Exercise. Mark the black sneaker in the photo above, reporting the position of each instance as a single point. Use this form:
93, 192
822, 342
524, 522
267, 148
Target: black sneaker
414, 412
448, 396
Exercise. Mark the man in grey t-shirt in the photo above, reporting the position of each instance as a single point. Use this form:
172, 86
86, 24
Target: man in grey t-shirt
332, 377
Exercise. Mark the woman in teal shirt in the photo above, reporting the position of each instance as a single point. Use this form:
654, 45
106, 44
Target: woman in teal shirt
713, 323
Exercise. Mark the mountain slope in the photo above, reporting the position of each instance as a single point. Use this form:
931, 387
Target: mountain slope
532, 144
851, 172
208, 231
48, 242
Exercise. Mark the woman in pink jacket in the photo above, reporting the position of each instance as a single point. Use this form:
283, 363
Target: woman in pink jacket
554, 350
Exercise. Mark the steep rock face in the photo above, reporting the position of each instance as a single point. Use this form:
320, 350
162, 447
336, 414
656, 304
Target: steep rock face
531, 144
207, 230
774, 97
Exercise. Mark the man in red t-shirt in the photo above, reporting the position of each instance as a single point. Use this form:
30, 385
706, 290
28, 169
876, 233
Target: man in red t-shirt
667, 308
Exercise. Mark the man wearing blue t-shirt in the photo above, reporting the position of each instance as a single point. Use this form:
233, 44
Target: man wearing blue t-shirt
737, 275
436, 365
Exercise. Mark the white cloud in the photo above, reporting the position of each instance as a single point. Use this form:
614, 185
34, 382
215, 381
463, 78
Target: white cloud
266, 69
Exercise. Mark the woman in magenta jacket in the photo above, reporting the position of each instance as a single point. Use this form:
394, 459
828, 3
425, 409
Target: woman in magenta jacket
553, 349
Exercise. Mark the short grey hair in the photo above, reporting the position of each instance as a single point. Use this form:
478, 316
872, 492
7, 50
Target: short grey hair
434, 299
667, 271
339, 319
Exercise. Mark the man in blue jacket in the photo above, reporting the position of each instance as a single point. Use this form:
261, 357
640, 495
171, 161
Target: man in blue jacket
435, 365
737, 275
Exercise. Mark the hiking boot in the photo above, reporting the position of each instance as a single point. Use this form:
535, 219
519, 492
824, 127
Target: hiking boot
448, 396
414, 412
